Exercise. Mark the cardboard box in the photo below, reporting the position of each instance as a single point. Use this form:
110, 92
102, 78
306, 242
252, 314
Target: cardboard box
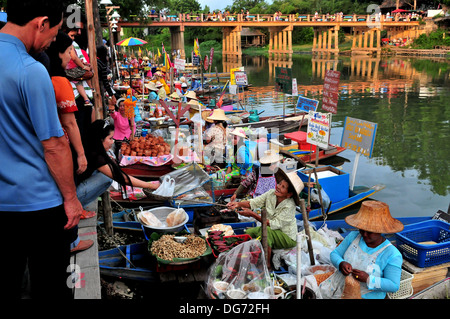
335, 183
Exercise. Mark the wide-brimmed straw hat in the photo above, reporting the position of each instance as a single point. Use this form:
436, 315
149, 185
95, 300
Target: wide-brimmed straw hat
270, 156
174, 96
158, 84
195, 105
239, 132
294, 180
218, 115
191, 95
151, 86
205, 114
374, 216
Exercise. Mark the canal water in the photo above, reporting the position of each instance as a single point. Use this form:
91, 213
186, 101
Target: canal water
409, 99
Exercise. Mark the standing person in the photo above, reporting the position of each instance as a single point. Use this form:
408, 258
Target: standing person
59, 56
103, 70
36, 175
124, 127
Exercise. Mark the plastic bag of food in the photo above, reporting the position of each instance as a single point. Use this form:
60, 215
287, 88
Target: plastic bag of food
149, 219
166, 188
176, 217
240, 273
352, 288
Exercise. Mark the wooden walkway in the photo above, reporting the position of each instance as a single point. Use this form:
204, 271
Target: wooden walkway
88, 285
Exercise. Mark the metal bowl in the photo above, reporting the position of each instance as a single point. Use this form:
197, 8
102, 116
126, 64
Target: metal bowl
161, 213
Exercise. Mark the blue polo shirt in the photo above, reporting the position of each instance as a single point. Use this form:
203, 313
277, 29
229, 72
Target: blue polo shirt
28, 115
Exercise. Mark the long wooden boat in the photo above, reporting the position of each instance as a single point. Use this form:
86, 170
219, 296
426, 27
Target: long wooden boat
132, 262
439, 290
289, 123
358, 194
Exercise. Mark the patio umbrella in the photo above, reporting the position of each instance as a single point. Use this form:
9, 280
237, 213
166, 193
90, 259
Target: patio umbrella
131, 42
400, 10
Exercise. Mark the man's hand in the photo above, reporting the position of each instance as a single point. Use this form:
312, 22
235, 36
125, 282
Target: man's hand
73, 211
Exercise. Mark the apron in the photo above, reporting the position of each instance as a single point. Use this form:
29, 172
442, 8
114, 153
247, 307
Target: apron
263, 185
332, 287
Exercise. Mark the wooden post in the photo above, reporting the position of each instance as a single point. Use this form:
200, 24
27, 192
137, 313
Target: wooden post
307, 232
264, 235
107, 213
98, 105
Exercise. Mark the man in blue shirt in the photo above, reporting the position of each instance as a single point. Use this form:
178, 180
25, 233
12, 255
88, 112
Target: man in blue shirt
38, 194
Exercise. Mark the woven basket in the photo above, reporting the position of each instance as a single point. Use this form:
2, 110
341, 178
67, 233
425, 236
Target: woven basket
406, 289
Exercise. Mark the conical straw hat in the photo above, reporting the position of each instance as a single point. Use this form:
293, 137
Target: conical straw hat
151, 86
270, 157
191, 95
293, 179
218, 115
239, 132
375, 217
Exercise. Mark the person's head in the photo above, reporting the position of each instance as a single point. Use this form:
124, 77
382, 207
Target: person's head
59, 54
288, 185
120, 105
372, 220
101, 134
102, 53
41, 18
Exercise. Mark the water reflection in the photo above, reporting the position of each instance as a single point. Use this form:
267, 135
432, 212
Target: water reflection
407, 97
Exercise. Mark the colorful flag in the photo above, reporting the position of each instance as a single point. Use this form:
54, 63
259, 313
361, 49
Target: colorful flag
196, 47
159, 54
219, 103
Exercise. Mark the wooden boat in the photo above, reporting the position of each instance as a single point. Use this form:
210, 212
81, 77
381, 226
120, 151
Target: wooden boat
289, 123
358, 194
439, 290
132, 262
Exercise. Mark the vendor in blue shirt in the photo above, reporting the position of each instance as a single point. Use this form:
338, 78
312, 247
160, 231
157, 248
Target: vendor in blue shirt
152, 92
367, 255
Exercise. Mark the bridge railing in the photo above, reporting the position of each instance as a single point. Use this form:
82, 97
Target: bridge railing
186, 17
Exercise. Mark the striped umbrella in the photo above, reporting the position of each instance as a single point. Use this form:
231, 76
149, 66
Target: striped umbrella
131, 42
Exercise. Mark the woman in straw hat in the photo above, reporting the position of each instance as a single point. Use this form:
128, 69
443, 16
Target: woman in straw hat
161, 91
216, 137
153, 92
367, 255
279, 204
240, 154
262, 178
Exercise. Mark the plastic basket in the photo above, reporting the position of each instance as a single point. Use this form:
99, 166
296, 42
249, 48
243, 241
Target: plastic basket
411, 243
406, 289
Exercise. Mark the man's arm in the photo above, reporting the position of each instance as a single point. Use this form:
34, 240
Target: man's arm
59, 161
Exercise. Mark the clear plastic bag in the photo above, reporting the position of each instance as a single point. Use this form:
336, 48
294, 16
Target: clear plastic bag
166, 188
240, 273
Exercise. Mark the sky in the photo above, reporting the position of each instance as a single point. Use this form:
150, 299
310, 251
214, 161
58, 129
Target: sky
215, 4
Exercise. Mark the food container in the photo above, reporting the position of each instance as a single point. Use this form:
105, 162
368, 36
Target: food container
222, 286
161, 213
236, 294
277, 291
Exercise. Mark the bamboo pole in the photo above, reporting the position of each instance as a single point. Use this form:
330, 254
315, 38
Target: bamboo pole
308, 239
98, 105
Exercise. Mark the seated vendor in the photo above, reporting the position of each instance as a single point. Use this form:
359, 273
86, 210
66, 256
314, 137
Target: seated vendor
216, 137
280, 204
366, 255
262, 178
240, 155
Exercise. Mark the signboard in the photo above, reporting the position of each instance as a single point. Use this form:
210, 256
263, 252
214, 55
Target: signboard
304, 104
195, 60
331, 91
283, 79
318, 132
206, 63
211, 54
232, 77
179, 64
359, 136
240, 77
294, 87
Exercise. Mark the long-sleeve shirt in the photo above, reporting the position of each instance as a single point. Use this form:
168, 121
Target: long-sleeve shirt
281, 217
390, 262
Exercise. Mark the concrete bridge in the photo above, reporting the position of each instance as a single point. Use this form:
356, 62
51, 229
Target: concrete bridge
365, 29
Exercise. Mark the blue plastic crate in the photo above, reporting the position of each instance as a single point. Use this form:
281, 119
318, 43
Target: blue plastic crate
410, 242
